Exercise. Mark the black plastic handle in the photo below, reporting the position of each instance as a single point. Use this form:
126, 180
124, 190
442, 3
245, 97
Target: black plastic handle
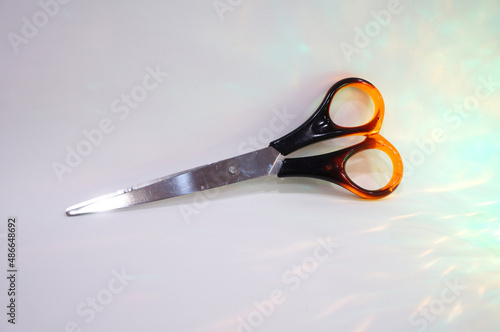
331, 167
320, 126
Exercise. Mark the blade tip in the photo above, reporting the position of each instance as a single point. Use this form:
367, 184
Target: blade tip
71, 212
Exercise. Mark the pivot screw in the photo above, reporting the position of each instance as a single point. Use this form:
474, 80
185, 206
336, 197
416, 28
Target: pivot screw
232, 170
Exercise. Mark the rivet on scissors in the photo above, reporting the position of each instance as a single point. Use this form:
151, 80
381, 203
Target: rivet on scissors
232, 169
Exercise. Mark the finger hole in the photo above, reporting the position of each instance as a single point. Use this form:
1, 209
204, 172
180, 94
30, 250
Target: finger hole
370, 169
351, 107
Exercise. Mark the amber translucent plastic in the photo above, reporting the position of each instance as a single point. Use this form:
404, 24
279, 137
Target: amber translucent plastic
332, 166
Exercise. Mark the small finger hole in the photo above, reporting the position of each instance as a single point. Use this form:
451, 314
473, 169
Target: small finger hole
370, 169
351, 107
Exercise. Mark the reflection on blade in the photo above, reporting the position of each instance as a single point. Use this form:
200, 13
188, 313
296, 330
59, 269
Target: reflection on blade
245, 167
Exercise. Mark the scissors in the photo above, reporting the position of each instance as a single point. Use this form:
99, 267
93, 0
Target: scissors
271, 161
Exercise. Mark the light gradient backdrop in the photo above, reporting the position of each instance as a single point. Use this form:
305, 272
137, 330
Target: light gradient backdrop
222, 74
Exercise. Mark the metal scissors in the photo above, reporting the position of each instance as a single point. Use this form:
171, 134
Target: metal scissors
270, 160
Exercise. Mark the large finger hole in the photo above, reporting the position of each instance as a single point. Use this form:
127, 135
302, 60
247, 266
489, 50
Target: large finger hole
351, 107
370, 169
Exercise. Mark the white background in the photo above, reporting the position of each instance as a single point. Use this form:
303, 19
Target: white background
424, 259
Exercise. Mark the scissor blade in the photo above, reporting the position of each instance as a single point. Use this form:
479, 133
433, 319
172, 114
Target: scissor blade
244, 167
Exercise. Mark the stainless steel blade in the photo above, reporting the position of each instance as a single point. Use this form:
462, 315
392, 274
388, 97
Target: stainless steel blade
244, 167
